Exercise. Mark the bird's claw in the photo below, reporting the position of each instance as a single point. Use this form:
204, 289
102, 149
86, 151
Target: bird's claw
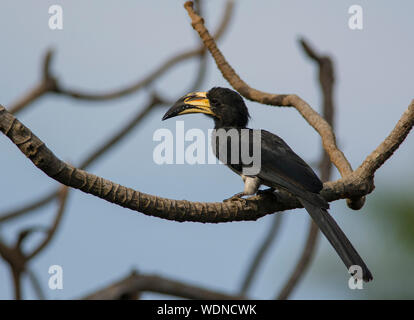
236, 197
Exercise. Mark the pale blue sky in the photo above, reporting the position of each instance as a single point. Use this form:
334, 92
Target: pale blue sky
108, 44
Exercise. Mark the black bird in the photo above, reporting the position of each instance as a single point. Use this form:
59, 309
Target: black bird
279, 166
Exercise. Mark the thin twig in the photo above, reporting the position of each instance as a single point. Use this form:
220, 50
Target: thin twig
35, 284
286, 100
134, 122
47, 84
78, 94
17, 283
90, 159
42, 201
326, 81
50, 84
260, 254
30, 207
52, 230
17, 259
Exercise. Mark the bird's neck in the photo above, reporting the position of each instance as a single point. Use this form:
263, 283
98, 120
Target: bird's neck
219, 123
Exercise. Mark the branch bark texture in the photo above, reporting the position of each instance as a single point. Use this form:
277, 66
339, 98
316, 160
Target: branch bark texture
357, 184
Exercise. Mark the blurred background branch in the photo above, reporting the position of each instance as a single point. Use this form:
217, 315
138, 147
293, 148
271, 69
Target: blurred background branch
261, 253
132, 286
156, 100
14, 256
326, 82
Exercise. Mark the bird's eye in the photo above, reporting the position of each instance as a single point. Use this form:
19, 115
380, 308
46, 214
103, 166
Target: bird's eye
214, 101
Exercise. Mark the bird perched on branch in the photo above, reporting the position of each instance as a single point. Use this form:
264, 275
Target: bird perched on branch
273, 164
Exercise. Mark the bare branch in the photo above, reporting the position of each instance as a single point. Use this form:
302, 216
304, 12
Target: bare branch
48, 84
135, 121
15, 257
35, 284
17, 283
61, 209
16, 262
23, 234
136, 283
286, 100
180, 210
326, 81
42, 201
77, 94
31, 207
387, 148
93, 156
261, 253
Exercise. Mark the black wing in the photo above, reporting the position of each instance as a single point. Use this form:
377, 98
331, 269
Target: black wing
280, 166
279, 159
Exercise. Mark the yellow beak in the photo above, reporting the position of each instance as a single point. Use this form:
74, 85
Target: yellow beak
195, 102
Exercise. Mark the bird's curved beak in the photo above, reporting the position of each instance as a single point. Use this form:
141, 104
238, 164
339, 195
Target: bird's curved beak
195, 102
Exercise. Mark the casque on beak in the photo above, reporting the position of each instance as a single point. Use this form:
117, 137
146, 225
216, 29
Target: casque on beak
195, 102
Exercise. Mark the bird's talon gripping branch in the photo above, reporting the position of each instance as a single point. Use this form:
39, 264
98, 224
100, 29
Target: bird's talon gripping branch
236, 197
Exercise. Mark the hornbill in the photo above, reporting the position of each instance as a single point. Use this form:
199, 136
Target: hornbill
279, 166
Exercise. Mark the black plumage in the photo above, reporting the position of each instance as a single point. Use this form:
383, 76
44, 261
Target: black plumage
280, 167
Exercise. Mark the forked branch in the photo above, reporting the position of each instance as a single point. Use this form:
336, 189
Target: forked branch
356, 184
285, 100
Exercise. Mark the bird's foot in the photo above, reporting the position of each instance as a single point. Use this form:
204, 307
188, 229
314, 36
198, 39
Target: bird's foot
236, 197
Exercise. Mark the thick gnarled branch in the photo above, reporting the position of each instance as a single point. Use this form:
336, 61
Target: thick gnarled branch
353, 185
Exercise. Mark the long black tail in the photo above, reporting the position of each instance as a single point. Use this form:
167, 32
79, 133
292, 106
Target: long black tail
337, 238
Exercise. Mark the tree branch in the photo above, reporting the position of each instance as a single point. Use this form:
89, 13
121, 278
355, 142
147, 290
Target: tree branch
77, 94
326, 81
135, 284
52, 230
93, 156
47, 84
42, 201
31, 207
286, 100
181, 210
35, 284
260, 254
18, 260
50, 84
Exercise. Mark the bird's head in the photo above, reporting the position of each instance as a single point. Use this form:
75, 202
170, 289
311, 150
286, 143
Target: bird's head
225, 106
